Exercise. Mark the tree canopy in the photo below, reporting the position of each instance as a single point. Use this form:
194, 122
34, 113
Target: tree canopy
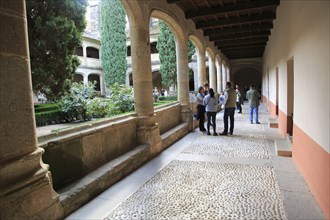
55, 31
167, 54
113, 41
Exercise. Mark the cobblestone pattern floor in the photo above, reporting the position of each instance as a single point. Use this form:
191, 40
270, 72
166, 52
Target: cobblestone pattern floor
243, 145
212, 190
199, 190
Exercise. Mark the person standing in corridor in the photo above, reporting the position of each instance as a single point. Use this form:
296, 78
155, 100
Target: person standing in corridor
238, 100
229, 103
211, 103
200, 108
253, 96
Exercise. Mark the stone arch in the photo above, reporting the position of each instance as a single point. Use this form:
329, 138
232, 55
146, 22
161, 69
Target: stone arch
133, 11
218, 59
196, 42
210, 53
170, 22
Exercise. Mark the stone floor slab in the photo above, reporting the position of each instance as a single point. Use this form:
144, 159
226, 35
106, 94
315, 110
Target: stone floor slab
301, 206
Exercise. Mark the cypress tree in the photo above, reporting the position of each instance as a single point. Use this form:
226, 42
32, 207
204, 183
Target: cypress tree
113, 41
167, 54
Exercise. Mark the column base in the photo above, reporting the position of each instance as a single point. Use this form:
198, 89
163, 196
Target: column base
27, 191
186, 115
151, 136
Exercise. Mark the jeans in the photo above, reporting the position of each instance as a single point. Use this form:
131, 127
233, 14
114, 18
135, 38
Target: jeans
211, 116
255, 110
201, 116
229, 112
239, 107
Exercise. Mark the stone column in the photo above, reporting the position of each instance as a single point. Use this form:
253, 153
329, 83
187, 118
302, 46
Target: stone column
26, 190
195, 69
201, 68
84, 51
183, 79
147, 130
213, 78
85, 78
228, 74
219, 77
224, 76
102, 86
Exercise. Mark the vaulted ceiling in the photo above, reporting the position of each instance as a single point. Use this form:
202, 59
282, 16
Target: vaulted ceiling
239, 28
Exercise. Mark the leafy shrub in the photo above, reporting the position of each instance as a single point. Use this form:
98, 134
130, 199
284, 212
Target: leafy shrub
98, 107
121, 99
80, 104
75, 103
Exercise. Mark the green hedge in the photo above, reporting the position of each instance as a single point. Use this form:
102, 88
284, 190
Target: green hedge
168, 98
46, 107
49, 117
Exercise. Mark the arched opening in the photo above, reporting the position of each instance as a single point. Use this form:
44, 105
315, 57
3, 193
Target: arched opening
164, 45
95, 78
93, 52
191, 80
200, 68
130, 79
78, 78
129, 53
79, 51
157, 80
153, 47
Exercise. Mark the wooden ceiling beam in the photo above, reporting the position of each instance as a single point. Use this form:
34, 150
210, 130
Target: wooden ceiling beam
239, 47
251, 28
235, 21
244, 56
174, 1
230, 8
243, 49
242, 42
240, 36
231, 53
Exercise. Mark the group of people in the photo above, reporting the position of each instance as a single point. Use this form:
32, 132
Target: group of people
230, 99
156, 94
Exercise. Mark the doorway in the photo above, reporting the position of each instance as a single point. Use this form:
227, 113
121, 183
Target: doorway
276, 107
290, 95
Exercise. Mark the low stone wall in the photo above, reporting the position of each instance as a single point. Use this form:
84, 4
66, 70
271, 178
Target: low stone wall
72, 153
168, 117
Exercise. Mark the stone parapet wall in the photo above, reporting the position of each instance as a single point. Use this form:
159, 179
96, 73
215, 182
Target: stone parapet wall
73, 152
168, 117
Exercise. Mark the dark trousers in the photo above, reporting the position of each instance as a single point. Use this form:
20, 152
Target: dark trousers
211, 116
238, 106
201, 116
229, 112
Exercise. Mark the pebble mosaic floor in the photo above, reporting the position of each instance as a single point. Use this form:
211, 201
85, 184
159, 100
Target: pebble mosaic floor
244, 145
199, 190
210, 190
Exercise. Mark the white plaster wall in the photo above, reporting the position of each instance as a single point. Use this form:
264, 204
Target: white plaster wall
301, 31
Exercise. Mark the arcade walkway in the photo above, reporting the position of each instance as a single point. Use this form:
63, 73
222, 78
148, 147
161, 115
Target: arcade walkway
207, 177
